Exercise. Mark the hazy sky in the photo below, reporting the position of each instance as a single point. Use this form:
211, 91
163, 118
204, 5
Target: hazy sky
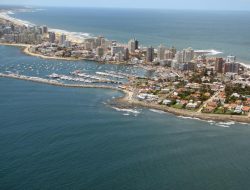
163, 4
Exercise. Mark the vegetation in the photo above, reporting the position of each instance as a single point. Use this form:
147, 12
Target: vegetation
230, 89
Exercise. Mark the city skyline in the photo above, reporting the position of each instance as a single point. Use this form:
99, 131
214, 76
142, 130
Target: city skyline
157, 4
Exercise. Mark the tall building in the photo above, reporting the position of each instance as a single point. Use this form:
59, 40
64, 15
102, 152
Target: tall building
169, 54
161, 52
136, 44
179, 57
132, 46
126, 54
52, 37
99, 40
231, 59
188, 55
67, 43
116, 49
44, 29
119, 56
231, 67
40, 30
99, 52
150, 54
173, 50
62, 39
219, 65
185, 55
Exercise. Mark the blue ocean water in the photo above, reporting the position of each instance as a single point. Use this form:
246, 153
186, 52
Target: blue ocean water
226, 31
63, 138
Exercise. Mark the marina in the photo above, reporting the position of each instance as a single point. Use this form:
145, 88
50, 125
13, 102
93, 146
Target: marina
72, 123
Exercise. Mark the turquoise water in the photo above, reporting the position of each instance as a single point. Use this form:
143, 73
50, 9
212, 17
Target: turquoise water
63, 138
226, 31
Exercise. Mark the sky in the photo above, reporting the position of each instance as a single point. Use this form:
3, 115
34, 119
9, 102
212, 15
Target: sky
155, 4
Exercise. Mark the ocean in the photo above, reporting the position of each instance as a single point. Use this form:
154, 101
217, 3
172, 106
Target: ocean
67, 138
224, 31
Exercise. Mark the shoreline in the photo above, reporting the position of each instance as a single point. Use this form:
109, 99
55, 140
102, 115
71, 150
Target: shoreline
129, 101
127, 98
25, 50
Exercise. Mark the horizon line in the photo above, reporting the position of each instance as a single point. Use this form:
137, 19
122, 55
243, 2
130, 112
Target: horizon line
135, 8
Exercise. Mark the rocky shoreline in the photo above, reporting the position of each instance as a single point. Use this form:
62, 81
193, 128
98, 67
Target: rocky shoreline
127, 101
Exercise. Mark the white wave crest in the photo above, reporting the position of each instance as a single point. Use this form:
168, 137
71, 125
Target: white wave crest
193, 118
157, 111
134, 111
209, 52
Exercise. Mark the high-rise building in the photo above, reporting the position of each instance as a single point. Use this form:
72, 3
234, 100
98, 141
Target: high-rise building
136, 44
62, 39
44, 29
99, 51
169, 54
116, 49
119, 56
67, 43
185, 55
174, 50
126, 54
188, 55
219, 65
231, 67
103, 43
179, 57
132, 46
150, 54
12, 27
99, 40
52, 37
231, 59
161, 52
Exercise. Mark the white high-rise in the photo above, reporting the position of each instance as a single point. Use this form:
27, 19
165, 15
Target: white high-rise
188, 55
231, 59
161, 52
132, 45
62, 39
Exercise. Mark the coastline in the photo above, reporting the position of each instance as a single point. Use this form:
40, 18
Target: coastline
25, 50
128, 96
128, 100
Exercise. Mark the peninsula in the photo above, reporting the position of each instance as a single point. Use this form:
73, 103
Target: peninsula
186, 82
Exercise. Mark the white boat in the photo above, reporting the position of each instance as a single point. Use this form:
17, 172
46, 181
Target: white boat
54, 76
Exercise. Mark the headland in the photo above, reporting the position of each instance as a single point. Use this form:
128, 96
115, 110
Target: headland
190, 83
